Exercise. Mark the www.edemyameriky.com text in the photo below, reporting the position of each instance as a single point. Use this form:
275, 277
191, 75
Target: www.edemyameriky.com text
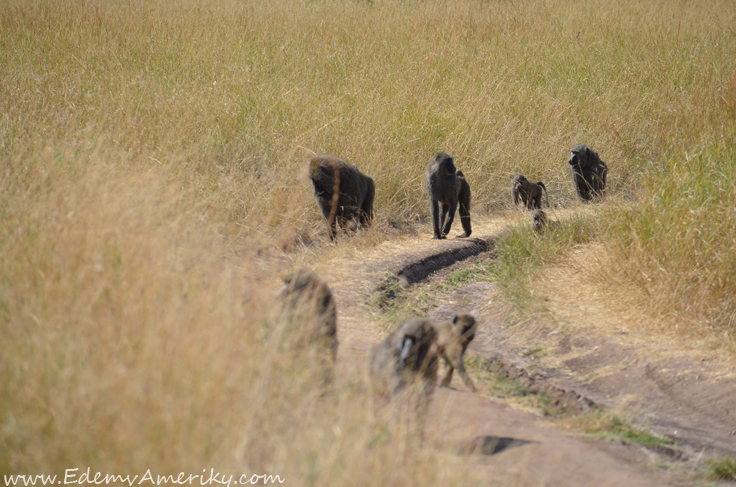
72, 476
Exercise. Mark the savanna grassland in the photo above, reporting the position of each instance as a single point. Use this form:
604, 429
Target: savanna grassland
152, 158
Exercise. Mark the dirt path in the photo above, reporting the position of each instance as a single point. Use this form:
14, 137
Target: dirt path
527, 449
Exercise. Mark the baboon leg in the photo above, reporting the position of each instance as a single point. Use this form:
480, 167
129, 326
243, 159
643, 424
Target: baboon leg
464, 209
436, 219
445, 208
366, 210
460, 366
450, 217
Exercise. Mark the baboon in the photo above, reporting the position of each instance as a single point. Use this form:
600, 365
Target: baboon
539, 220
529, 193
448, 187
308, 310
343, 193
588, 173
453, 339
407, 356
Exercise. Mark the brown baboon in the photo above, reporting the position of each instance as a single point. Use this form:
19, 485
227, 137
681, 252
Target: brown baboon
453, 339
530, 193
308, 309
343, 193
539, 220
448, 187
588, 173
406, 356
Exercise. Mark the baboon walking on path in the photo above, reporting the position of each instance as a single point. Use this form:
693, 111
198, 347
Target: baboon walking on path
529, 193
448, 187
453, 339
343, 193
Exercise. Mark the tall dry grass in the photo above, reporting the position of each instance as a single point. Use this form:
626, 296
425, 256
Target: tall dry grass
149, 150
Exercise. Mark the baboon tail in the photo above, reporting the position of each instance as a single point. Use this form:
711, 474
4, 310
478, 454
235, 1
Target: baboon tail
546, 195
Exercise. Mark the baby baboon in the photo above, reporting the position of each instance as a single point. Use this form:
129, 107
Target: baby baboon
588, 173
539, 220
530, 193
308, 310
343, 193
453, 339
448, 187
406, 356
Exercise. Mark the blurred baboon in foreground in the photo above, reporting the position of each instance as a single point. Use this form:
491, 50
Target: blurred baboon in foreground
529, 193
406, 356
448, 187
453, 339
343, 193
404, 368
588, 173
308, 311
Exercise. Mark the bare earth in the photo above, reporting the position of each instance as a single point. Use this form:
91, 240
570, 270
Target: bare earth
682, 395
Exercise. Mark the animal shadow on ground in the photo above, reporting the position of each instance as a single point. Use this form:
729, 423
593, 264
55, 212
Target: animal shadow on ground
489, 445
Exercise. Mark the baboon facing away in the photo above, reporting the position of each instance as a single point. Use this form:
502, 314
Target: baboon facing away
453, 339
343, 193
407, 356
529, 193
588, 173
308, 311
404, 369
447, 187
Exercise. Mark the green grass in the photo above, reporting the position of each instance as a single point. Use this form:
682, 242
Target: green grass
495, 383
521, 254
610, 426
722, 469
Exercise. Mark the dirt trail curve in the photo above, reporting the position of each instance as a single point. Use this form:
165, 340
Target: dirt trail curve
542, 455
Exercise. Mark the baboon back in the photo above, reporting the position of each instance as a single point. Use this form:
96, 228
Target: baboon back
588, 173
308, 304
406, 356
343, 193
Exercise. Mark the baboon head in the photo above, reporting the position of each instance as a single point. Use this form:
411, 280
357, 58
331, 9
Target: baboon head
581, 155
445, 165
518, 181
298, 281
539, 220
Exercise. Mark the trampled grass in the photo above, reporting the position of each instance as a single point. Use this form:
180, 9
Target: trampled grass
152, 156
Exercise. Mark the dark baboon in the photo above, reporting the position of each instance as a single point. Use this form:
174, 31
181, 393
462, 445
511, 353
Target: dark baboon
453, 339
308, 310
588, 172
529, 193
448, 187
343, 193
539, 220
